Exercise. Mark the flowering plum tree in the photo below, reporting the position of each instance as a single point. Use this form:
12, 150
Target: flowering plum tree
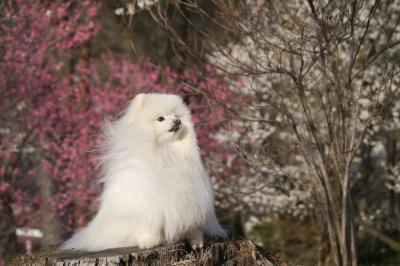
34, 38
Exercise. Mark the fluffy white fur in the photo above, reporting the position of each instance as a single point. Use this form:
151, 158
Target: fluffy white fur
156, 189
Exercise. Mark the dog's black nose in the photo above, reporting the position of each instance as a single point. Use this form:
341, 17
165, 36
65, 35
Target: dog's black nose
177, 121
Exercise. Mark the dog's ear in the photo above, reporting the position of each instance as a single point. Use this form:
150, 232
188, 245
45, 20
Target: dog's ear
134, 106
137, 102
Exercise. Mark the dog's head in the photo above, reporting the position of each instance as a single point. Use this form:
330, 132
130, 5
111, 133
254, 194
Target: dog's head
165, 116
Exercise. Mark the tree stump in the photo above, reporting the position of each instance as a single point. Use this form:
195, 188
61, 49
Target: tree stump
239, 252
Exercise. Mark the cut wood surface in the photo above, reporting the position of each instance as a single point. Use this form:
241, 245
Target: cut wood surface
239, 252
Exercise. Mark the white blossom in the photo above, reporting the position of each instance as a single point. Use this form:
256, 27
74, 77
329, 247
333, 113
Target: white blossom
119, 11
364, 115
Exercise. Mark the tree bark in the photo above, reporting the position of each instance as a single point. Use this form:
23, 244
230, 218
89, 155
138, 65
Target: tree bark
239, 252
50, 223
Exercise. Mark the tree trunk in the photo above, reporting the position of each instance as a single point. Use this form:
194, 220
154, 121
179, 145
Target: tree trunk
239, 252
50, 223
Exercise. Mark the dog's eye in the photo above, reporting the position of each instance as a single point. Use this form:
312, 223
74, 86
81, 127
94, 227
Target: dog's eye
160, 119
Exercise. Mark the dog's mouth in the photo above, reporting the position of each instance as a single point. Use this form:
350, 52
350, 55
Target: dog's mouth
175, 128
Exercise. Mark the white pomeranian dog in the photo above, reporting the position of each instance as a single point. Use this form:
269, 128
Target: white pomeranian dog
156, 189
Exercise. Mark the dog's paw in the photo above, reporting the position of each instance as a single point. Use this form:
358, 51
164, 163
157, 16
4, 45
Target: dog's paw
196, 243
148, 241
196, 239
